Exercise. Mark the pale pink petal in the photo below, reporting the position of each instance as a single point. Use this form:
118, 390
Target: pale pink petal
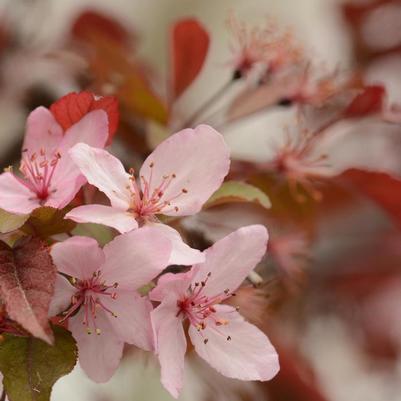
65, 192
170, 283
67, 178
99, 355
231, 259
78, 257
91, 130
199, 159
181, 253
238, 349
105, 172
42, 132
132, 324
63, 292
15, 197
135, 258
100, 214
170, 345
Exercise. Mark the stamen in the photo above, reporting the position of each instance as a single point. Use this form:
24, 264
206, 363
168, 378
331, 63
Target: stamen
38, 172
199, 309
89, 295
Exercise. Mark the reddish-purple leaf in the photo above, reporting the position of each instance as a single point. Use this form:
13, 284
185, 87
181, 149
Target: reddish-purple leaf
189, 47
91, 23
370, 101
382, 188
27, 276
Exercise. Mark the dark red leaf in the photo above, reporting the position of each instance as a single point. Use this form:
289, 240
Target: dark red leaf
27, 277
295, 379
190, 44
370, 101
382, 188
91, 23
72, 107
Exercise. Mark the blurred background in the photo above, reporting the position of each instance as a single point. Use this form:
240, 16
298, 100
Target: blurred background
328, 293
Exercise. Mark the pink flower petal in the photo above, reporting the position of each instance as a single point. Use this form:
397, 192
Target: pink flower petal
135, 258
99, 355
100, 214
181, 253
170, 345
238, 349
63, 291
15, 197
231, 259
42, 132
91, 130
105, 172
65, 192
132, 324
78, 257
170, 283
67, 178
199, 158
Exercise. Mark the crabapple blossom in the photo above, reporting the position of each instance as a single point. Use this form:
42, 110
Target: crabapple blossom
220, 335
176, 179
50, 178
264, 46
101, 301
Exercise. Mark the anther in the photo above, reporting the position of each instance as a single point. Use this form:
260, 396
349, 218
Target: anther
205, 341
184, 190
229, 338
98, 332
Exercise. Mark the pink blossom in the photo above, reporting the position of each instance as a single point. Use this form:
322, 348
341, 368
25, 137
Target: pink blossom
220, 335
176, 179
264, 46
101, 299
49, 176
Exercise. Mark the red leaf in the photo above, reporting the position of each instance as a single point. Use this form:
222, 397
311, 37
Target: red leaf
370, 101
295, 379
90, 24
72, 107
382, 188
27, 277
190, 44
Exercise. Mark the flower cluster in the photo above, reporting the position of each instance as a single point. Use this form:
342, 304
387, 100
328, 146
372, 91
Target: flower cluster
102, 294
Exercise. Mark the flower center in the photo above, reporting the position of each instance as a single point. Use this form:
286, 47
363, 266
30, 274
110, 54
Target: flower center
296, 162
38, 172
199, 308
88, 296
147, 202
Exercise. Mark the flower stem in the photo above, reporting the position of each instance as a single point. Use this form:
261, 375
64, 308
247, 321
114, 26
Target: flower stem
210, 102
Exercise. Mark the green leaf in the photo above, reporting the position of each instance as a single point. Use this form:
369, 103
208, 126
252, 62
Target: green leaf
237, 191
102, 234
31, 367
10, 222
47, 221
